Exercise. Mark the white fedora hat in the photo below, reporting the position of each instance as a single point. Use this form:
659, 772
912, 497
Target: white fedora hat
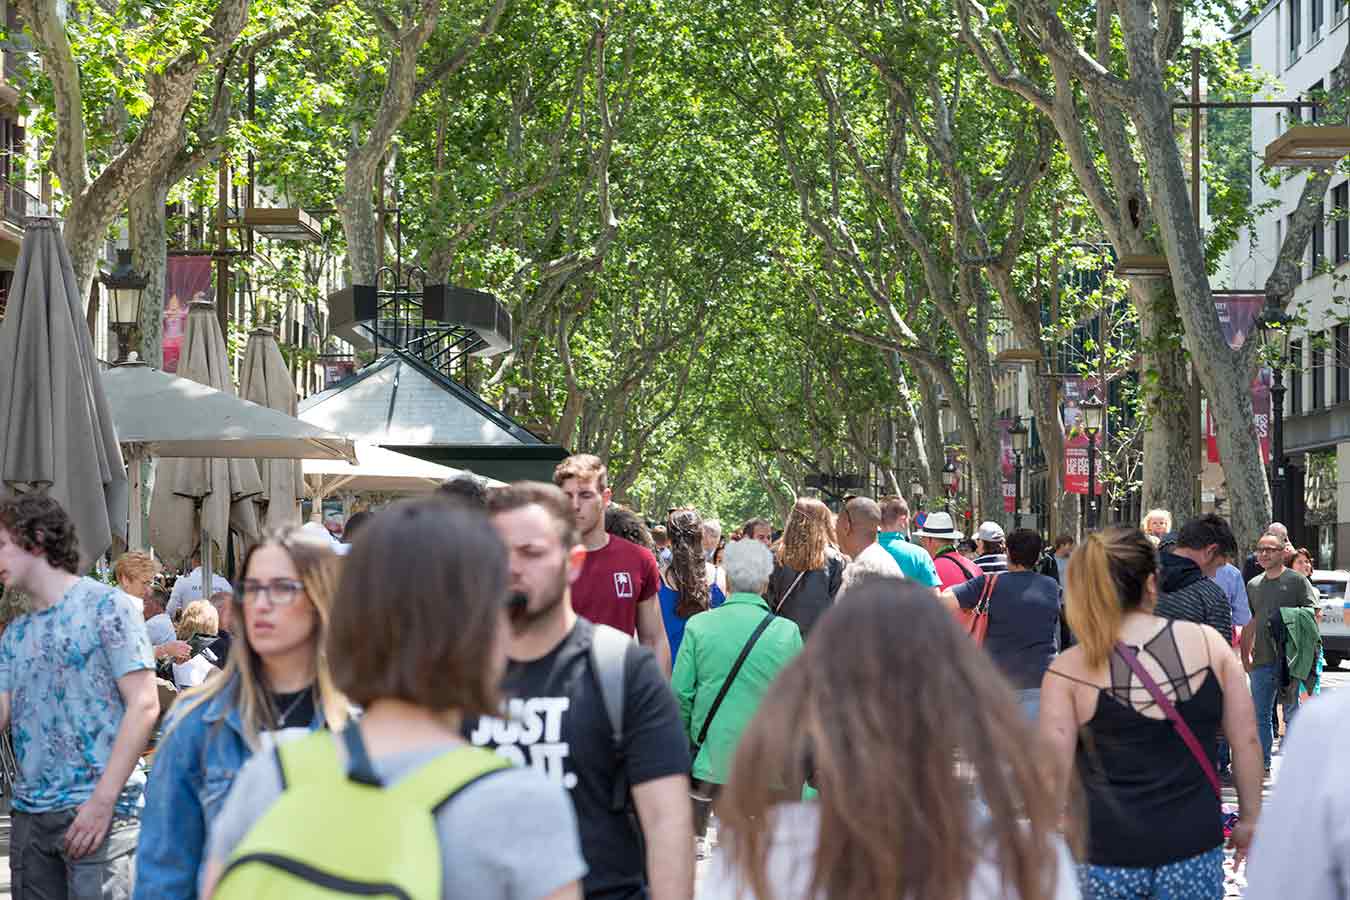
939, 525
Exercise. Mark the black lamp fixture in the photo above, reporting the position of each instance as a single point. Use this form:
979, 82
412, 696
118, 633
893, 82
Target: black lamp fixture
916, 490
1093, 411
1276, 325
125, 286
1019, 434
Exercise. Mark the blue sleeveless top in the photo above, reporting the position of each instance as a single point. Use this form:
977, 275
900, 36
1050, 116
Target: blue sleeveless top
674, 624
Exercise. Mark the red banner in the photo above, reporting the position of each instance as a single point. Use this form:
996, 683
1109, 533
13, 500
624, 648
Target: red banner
1009, 496
1238, 314
187, 278
1007, 462
336, 370
1076, 464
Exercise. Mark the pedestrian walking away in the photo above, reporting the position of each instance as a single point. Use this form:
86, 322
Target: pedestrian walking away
1276, 588
1024, 607
418, 639
914, 561
1135, 709
808, 569
872, 728
619, 582
991, 547
80, 718
939, 536
590, 709
275, 685
688, 585
728, 660
859, 519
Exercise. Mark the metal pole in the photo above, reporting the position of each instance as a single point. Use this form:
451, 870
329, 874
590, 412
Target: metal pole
223, 246
1277, 447
1092, 480
1017, 490
1195, 135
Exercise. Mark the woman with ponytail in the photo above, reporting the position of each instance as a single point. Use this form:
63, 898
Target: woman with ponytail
688, 582
1127, 705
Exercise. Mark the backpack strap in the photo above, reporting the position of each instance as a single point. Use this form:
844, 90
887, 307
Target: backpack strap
609, 650
300, 759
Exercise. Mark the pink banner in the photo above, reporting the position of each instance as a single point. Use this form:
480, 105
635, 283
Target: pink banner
1073, 391
1238, 314
187, 278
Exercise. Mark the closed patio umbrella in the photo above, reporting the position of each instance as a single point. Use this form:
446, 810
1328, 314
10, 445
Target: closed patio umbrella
56, 435
215, 494
266, 381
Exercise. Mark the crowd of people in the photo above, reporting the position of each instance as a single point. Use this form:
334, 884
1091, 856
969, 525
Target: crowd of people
533, 692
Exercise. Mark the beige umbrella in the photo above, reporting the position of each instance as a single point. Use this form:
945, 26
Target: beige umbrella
55, 431
214, 494
267, 382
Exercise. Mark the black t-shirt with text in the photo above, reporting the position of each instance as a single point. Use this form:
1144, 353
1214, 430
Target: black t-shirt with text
557, 724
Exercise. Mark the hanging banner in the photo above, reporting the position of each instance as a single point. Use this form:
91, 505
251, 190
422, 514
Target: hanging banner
1238, 314
186, 278
334, 370
1007, 463
1009, 496
1073, 391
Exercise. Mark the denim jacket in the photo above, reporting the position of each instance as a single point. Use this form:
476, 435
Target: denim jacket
193, 771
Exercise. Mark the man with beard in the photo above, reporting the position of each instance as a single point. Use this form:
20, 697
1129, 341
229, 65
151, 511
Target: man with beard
557, 719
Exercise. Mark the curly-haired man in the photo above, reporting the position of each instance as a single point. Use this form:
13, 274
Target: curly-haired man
77, 690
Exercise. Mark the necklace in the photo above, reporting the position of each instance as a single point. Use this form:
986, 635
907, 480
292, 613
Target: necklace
294, 704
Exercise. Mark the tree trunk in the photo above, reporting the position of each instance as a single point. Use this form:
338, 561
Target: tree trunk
1170, 438
147, 228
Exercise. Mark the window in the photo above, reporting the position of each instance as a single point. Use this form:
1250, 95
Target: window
1295, 378
1340, 200
1318, 371
1295, 27
1337, 11
1315, 19
1317, 94
1342, 336
1319, 238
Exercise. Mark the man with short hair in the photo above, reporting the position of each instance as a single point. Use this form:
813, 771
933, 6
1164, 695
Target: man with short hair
913, 561
224, 606
758, 530
77, 690
1251, 567
164, 640
856, 529
992, 556
466, 488
1186, 590
559, 722
189, 587
619, 582
1276, 588
661, 538
938, 536
1063, 550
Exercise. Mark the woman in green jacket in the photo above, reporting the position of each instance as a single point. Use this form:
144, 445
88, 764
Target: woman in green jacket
713, 641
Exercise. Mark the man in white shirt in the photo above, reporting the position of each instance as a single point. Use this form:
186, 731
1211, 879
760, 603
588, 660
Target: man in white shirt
189, 587
856, 528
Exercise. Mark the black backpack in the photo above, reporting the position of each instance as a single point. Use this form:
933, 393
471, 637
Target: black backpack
1048, 566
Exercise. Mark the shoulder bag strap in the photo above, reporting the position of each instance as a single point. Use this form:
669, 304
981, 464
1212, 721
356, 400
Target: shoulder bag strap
731, 676
1183, 730
983, 606
788, 592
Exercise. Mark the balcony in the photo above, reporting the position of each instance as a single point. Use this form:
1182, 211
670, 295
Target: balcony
19, 204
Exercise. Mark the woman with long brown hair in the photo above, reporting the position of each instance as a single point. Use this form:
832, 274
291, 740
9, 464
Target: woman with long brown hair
915, 801
808, 566
275, 680
1136, 707
688, 583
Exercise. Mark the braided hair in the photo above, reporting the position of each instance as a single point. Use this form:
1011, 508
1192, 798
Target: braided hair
687, 572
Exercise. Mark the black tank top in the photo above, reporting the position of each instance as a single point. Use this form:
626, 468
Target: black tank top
1148, 801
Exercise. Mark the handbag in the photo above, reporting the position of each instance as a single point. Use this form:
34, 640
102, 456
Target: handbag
976, 620
697, 745
1183, 730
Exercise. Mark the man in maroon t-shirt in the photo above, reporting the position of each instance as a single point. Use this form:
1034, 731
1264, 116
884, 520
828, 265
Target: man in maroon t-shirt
619, 582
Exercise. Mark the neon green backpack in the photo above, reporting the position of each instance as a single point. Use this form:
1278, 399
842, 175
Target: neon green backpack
340, 832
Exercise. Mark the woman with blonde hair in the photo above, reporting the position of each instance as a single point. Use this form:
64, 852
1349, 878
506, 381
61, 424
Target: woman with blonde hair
808, 566
1136, 706
915, 803
276, 680
199, 619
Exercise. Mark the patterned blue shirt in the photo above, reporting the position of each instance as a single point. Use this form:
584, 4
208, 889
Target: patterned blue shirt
60, 667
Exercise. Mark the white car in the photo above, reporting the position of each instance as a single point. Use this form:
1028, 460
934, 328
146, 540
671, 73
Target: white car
1335, 625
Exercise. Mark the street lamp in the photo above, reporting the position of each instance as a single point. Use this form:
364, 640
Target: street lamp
1093, 410
916, 491
1275, 325
1019, 433
125, 286
950, 480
